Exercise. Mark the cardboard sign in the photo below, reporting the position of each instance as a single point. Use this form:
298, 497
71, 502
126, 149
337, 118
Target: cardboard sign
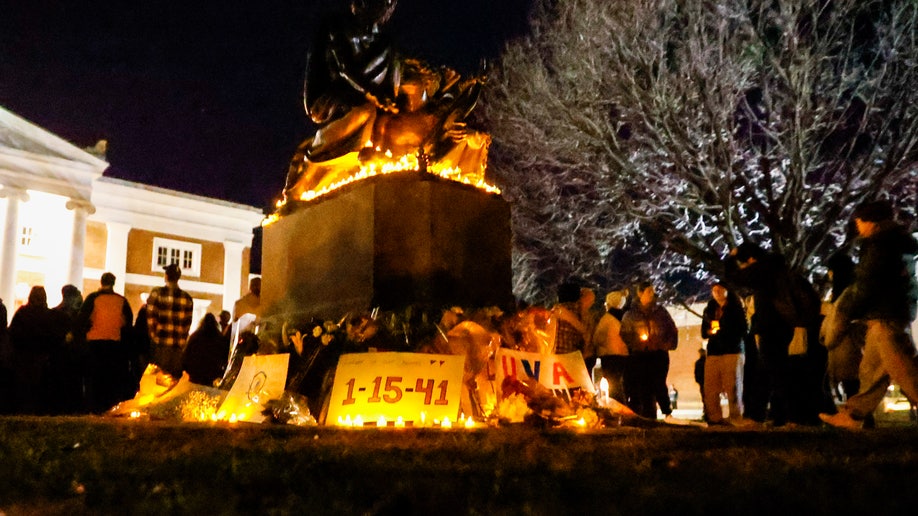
261, 378
556, 372
393, 385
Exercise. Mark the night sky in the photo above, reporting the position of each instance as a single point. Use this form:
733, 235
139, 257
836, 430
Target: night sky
200, 96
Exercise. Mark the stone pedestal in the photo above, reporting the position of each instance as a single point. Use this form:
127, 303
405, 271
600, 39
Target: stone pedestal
389, 242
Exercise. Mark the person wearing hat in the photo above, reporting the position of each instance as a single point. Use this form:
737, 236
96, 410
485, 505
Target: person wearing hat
169, 313
884, 295
103, 323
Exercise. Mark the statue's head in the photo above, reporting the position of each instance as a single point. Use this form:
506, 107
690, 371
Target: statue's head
417, 84
370, 12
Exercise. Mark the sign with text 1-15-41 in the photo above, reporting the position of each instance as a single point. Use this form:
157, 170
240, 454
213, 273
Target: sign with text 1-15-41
392, 385
558, 373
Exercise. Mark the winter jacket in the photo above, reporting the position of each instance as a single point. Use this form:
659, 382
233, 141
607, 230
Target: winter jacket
782, 298
607, 339
649, 328
884, 279
104, 315
731, 322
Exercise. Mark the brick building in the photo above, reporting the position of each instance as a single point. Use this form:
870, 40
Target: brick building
64, 222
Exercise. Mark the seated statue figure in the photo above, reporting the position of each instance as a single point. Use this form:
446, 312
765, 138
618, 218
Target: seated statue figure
373, 107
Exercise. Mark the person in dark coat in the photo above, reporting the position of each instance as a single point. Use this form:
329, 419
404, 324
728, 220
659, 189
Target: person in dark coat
140, 354
66, 379
787, 309
206, 353
723, 324
650, 333
884, 295
6, 364
699, 370
36, 334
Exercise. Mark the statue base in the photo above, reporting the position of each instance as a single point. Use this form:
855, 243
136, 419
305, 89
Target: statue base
389, 242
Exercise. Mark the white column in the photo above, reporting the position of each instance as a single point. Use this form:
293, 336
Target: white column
10, 246
81, 209
232, 273
116, 247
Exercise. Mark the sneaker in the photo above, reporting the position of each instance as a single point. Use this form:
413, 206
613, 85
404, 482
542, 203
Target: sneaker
673, 420
842, 420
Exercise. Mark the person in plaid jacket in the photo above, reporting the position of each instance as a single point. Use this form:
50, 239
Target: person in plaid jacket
169, 313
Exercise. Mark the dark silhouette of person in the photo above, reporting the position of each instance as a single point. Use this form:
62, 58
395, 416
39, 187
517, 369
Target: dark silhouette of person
699, 370
35, 334
140, 356
226, 323
206, 353
6, 364
786, 307
104, 323
67, 362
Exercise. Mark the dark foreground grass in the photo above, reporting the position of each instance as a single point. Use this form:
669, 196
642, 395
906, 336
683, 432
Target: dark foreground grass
104, 466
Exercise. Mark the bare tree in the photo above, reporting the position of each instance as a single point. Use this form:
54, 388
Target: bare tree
649, 136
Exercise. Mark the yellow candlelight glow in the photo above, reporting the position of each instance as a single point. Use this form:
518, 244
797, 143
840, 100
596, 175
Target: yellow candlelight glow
446, 423
381, 422
399, 422
604, 388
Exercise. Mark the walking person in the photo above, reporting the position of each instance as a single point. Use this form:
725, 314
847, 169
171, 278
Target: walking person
104, 325
169, 313
843, 339
650, 333
723, 324
884, 295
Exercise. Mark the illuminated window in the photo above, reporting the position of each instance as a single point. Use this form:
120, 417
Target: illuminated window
25, 237
186, 254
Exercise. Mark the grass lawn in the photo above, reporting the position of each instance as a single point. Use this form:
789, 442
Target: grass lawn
92, 465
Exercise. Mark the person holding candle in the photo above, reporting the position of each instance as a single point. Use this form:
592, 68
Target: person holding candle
723, 324
607, 345
650, 334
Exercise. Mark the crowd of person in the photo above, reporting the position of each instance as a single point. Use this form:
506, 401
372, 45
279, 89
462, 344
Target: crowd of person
87, 355
774, 351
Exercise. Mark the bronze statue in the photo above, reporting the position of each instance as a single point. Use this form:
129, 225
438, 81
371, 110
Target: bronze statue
373, 106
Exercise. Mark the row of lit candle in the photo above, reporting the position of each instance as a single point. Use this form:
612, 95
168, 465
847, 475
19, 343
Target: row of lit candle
399, 422
408, 162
